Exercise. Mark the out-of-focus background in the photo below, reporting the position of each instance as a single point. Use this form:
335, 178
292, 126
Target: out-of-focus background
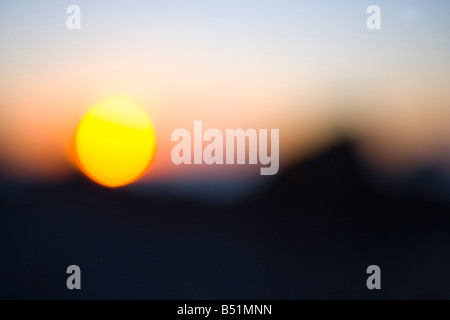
364, 120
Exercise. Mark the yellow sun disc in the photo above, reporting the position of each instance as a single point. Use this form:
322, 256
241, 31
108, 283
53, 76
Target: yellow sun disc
115, 143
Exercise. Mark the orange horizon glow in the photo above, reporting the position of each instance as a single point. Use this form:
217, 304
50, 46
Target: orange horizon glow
310, 69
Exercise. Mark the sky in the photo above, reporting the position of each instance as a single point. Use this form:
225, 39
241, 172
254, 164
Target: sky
309, 68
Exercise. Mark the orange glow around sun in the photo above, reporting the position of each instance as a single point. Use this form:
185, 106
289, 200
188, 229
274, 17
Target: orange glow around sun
115, 143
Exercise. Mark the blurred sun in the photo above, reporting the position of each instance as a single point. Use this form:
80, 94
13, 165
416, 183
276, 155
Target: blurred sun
115, 143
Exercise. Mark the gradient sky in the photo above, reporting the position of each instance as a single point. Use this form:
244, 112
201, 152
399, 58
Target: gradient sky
310, 68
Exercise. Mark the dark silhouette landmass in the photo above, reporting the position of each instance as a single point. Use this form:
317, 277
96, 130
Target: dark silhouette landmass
309, 235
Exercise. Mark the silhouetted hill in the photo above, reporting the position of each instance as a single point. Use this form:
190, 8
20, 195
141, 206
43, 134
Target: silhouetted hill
311, 234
